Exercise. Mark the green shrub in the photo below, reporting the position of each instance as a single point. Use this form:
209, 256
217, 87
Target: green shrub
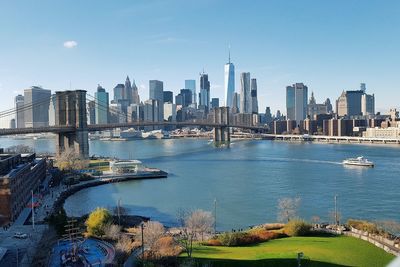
243, 238
297, 227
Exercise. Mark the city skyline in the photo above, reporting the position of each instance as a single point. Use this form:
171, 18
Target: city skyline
76, 54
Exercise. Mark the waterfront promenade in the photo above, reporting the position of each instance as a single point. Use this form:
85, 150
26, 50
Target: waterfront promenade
331, 139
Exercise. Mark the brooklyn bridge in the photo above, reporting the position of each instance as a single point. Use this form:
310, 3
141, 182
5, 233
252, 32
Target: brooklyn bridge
72, 128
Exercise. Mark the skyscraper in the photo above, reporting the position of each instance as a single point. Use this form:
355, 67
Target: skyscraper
355, 103
92, 112
229, 82
119, 92
191, 84
156, 91
367, 101
204, 92
245, 94
368, 104
168, 97
37, 101
135, 94
254, 100
214, 102
349, 103
52, 111
128, 91
296, 102
185, 97
101, 105
235, 103
19, 106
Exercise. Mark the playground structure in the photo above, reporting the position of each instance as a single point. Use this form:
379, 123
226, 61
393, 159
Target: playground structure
75, 251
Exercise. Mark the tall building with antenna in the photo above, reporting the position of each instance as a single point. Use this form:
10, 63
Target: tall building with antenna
229, 82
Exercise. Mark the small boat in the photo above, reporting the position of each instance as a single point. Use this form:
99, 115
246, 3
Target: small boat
359, 161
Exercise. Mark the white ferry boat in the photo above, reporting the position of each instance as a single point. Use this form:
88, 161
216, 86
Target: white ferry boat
359, 161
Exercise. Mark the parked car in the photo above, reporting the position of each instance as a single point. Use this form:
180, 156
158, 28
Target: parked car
20, 235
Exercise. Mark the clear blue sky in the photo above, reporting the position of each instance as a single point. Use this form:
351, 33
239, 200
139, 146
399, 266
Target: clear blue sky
329, 45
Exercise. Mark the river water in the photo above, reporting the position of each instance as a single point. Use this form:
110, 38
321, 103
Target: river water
246, 179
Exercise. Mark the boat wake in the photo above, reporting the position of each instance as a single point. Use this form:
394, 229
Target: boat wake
302, 160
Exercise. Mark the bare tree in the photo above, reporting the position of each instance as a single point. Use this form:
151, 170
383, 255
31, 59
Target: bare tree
152, 231
112, 231
192, 226
18, 149
69, 160
201, 222
287, 208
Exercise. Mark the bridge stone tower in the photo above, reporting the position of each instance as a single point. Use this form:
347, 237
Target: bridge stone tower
71, 111
222, 134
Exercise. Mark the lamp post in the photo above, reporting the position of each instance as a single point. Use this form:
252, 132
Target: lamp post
33, 212
299, 256
215, 216
142, 227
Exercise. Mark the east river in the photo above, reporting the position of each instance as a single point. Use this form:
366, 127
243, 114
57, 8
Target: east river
246, 179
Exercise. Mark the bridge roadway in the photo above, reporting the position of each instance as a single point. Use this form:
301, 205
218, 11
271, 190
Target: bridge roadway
101, 127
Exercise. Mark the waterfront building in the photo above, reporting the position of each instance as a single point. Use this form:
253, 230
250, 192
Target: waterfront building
101, 105
19, 175
156, 92
168, 97
37, 101
126, 166
169, 111
310, 126
191, 85
20, 115
92, 112
296, 101
377, 132
229, 82
245, 94
279, 127
253, 94
204, 96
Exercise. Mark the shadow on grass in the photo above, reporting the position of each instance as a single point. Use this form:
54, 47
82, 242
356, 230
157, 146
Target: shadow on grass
262, 263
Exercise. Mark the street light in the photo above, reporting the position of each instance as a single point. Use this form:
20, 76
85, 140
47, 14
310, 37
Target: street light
142, 227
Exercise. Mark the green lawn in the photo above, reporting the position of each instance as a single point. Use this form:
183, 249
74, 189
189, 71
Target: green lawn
318, 251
